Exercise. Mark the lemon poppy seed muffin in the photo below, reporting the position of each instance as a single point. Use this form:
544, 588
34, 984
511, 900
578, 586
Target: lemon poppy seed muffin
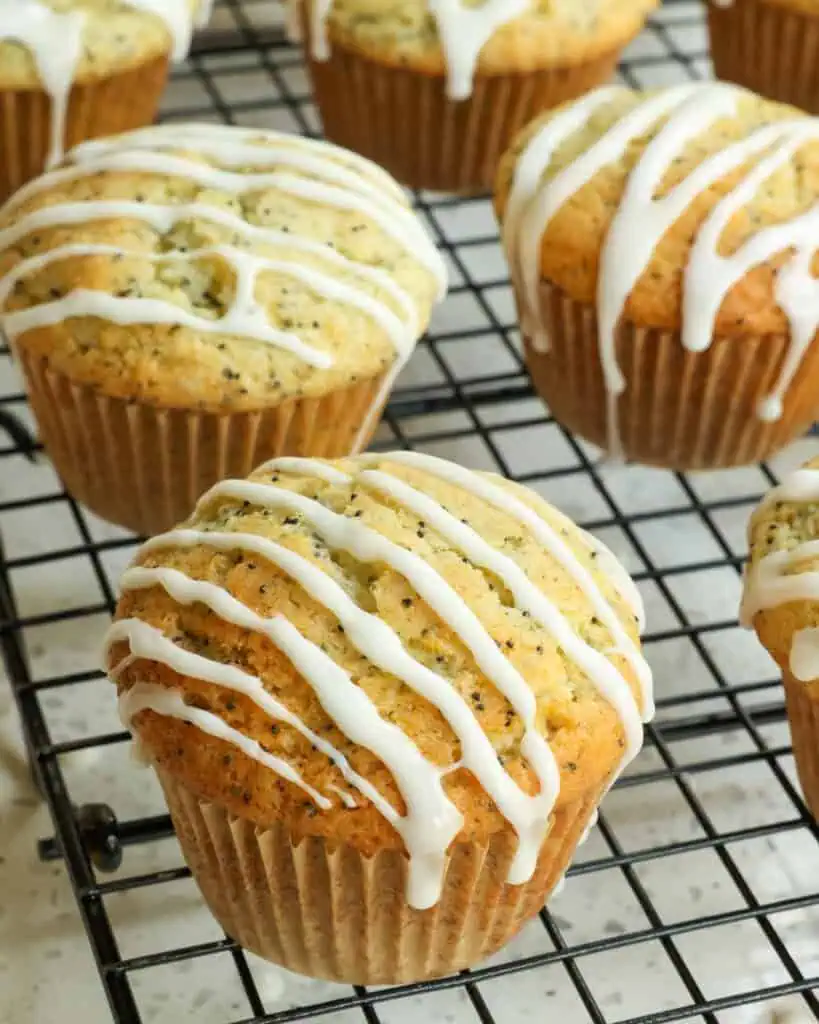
769, 46
435, 90
662, 248
188, 300
72, 70
384, 697
781, 602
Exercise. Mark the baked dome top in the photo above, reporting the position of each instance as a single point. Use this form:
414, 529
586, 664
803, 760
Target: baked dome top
37, 36
215, 267
461, 656
578, 171
501, 36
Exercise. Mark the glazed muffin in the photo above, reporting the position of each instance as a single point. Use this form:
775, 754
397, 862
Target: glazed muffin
435, 90
781, 602
770, 46
661, 248
187, 300
384, 697
72, 70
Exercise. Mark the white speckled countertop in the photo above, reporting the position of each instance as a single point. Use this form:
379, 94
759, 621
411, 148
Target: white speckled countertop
46, 968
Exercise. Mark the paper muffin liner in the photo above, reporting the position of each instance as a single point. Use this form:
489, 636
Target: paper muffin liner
680, 409
404, 121
105, 106
802, 701
767, 48
329, 912
143, 467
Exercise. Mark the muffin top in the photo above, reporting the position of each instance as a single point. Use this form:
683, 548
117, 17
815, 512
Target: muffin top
781, 596
382, 650
460, 36
691, 209
43, 41
216, 268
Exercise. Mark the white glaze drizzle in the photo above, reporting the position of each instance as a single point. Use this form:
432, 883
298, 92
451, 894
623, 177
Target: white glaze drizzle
529, 816
804, 660
168, 702
245, 147
641, 221
55, 41
343, 191
771, 581
374, 639
359, 187
431, 821
145, 641
346, 798
164, 218
515, 230
244, 318
462, 31
552, 195
499, 497
710, 276
306, 467
801, 486
527, 597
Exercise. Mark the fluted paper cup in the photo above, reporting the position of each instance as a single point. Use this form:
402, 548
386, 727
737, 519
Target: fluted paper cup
802, 700
769, 48
143, 467
680, 409
327, 911
104, 106
404, 121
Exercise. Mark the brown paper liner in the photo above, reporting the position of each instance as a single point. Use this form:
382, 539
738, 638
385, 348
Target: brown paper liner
802, 700
144, 467
105, 106
681, 410
329, 912
403, 120
769, 49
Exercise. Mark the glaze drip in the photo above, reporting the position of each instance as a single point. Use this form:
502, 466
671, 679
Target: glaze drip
55, 41
463, 32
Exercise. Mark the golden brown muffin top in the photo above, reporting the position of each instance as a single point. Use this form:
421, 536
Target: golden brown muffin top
116, 35
781, 598
216, 268
396, 572
707, 124
545, 33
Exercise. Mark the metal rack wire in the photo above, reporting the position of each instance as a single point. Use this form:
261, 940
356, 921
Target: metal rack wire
467, 394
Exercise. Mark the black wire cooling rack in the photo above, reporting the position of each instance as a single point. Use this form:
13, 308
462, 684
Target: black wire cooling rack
705, 849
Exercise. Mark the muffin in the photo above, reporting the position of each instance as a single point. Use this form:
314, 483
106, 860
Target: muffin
435, 90
770, 46
781, 602
74, 69
384, 697
185, 301
661, 248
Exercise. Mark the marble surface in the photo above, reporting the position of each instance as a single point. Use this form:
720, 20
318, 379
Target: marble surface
46, 968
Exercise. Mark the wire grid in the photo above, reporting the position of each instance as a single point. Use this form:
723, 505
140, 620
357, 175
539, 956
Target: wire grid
666, 827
